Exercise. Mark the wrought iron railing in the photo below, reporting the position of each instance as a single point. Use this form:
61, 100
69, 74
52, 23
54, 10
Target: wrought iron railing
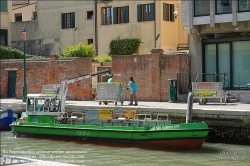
237, 80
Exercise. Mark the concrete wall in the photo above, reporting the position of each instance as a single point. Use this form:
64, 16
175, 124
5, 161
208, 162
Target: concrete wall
34, 44
46, 36
48, 71
49, 20
233, 17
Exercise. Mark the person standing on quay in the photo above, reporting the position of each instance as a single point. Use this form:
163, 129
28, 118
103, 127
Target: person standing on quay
133, 88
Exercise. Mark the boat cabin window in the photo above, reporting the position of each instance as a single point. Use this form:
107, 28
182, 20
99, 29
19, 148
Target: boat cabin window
54, 105
39, 104
46, 105
30, 105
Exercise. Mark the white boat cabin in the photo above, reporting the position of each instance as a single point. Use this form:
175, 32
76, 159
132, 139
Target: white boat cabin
42, 104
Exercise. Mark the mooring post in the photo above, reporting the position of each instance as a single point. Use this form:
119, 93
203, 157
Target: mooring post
189, 108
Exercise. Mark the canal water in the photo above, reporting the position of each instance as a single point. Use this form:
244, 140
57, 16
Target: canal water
211, 154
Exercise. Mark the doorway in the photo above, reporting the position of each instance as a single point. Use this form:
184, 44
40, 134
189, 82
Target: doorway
12, 84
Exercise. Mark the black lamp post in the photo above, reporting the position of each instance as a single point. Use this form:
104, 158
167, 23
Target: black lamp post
24, 37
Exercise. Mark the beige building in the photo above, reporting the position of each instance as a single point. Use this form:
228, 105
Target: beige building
100, 22
15, 11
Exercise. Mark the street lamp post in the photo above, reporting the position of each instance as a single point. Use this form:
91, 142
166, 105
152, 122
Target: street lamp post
24, 37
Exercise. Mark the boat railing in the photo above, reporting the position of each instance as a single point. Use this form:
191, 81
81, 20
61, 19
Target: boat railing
78, 114
162, 115
62, 114
146, 116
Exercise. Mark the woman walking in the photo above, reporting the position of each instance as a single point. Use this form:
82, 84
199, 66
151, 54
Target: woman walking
133, 88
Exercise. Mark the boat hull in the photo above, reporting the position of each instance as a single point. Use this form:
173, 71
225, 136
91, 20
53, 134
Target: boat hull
163, 144
156, 138
6, 118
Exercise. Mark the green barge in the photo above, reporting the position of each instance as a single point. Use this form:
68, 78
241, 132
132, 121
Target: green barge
45, 115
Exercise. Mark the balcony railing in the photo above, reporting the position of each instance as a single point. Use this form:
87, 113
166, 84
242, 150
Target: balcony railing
237, 80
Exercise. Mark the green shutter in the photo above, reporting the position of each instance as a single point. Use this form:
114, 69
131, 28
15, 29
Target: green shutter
115, 19
164, 11
63, 20
3, 6
152, 11
127, 14
73, 20
3, 31
139, 13
172, 12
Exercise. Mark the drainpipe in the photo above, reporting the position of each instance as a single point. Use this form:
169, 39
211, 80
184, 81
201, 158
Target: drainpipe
96, 32
155, 23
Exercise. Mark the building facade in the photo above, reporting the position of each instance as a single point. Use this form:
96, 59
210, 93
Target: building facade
15, 11
4, 24
100, 22
219, 40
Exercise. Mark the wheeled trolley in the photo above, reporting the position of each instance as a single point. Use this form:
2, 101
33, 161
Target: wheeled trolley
205, 90
110, 92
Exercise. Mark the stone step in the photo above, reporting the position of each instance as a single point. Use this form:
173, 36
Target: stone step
231, 97
232, 100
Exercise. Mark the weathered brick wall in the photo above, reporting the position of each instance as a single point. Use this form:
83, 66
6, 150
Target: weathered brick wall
48, 71
151, 72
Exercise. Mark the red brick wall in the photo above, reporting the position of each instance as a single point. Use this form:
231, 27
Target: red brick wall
151, 72
48, 71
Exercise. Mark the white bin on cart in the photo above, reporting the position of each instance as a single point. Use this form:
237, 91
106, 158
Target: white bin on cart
110, 92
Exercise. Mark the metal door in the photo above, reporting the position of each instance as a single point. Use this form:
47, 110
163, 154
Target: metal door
12, 84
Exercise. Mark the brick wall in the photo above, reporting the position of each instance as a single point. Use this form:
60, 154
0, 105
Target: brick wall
48, 71
151, 72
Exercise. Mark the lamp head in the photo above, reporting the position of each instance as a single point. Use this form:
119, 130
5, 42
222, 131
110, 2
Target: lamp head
24, 34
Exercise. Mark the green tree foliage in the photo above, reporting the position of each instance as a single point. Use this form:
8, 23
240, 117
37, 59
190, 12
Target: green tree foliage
13, 53
79, 50
104, 58
124, 46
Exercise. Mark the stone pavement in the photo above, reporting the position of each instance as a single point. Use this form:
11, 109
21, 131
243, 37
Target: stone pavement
147, 105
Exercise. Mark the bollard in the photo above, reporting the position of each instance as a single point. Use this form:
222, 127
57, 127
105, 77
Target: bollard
189, 108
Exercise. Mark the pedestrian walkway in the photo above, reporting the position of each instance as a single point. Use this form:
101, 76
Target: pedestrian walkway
148, 105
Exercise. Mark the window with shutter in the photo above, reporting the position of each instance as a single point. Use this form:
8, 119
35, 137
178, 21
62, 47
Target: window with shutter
63, 20
152, 12
145, 12
106, 15
139, 13
127, 14
172, 12
115, 14
72, 20
68, 20
166, 12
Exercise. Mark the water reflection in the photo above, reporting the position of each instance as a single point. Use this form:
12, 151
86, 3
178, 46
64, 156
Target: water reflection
105, 154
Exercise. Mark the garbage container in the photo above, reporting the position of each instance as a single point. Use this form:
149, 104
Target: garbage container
172, 90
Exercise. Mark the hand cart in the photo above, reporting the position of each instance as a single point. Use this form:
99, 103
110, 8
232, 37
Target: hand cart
110, 92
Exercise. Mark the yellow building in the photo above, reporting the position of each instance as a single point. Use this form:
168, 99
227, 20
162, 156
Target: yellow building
151, 21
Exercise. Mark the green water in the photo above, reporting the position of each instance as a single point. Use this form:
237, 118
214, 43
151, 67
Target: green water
211, 154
